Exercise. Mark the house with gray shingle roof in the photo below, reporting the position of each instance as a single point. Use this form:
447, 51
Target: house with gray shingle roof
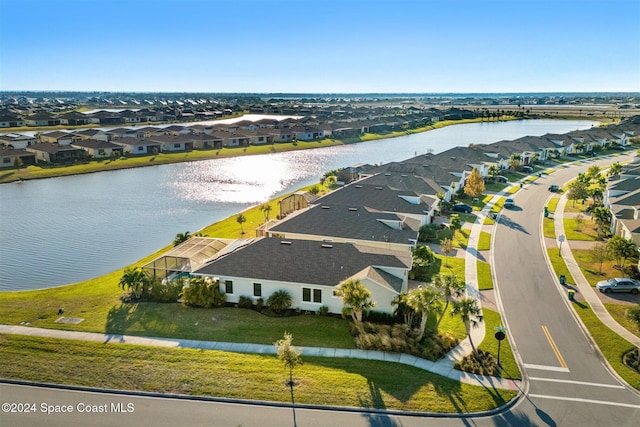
264, 266
99, 149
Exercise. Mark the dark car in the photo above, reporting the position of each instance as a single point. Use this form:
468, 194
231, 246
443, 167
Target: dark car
528, 169
461, 207
509, 203
502, 179
553, 188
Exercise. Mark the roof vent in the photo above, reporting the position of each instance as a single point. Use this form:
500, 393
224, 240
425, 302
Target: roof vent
325, 207
378, 188
358, 186
387, 174
353, 209
327, 245
285, 242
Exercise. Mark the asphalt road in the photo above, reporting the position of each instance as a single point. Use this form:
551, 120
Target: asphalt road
567, 378
568, 383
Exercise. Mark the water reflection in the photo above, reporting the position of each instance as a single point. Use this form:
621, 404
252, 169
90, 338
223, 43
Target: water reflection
63, 230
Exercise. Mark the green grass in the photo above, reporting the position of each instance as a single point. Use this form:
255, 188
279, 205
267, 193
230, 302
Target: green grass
488, 221
586, 233
485, 280
619, 313
612, 345
490, 344
549, 228
559, 265
484, 243
553, 204
592, 270
322, 381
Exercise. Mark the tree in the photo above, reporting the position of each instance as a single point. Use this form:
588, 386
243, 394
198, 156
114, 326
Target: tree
279, 301
471, 315
403, 309
579, 219
423, 257
450, 287
615, 169
600, 253
241, 219
633, 314
602, 217
266, 210
424, 300
203, 292
493, 171
622, 249
355, 298
577, 191
474, 185
17, 163
455, 223
594, 173
181, 237
290, 358
134, 280
446, 246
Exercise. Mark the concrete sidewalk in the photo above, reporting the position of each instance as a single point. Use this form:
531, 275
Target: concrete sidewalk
584, 288
443, 368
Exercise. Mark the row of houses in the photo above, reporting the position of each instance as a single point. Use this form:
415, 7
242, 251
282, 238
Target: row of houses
59, 147
365, 230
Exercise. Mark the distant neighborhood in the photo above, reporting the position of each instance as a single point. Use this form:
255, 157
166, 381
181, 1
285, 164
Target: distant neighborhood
367, 229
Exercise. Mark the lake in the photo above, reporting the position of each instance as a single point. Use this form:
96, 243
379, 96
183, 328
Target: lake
64, 230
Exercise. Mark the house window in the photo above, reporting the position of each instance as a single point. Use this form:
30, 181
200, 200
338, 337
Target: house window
257, 289
228, 286
6, 160
176, 145
141, 148
101, 152
317, 295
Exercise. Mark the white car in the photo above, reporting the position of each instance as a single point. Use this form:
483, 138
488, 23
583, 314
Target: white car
618, 285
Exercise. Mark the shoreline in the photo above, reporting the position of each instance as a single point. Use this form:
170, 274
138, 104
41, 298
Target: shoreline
12, 175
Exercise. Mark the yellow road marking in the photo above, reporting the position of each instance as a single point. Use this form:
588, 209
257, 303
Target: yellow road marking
554, 347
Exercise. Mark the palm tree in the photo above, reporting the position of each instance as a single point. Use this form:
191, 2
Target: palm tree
279, 301
135, 281
181, 237
241, 219
403, 309
451, 287
356, 298
266, 209
493, 171
424, 300
471, 315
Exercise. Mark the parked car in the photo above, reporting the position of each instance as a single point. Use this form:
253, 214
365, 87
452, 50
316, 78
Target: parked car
509, 203
528, 169
554, 187
461, 207
619, 285
502, 179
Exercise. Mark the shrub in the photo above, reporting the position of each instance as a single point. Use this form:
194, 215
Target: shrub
279, 301
245, 301
380, 317
203, 292
166, 292
259, 304
323, 310
482, 364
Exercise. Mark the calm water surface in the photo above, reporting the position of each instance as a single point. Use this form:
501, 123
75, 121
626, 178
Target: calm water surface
63, 230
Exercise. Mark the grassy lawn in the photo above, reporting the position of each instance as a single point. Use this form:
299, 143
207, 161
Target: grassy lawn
553, 204
585, 233
322, 381
488, 221
619, 313
460, 239
577, 207
559, 265
447, 265
485, 281
613, 346
592, 269
549, 228
490, 344
484, 243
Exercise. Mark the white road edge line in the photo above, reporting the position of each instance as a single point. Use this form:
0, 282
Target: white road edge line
577, 399
546, 368
576, 382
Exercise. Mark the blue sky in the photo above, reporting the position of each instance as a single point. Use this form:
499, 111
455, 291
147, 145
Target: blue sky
321, 46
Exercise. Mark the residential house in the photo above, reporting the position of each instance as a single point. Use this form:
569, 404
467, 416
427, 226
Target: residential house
56, 153
138, 146
99, 149
264, 266
13, 157
17, 140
